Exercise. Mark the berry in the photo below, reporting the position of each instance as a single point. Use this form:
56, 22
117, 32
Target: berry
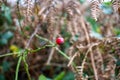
60, 40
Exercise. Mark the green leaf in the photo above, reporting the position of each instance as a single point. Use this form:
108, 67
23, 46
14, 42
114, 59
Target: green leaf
6, 66
69, 76
27, 28
2, 77
3, 41
109, 3
95, 26
116, 31
7, 13
60, 76
8, 35
42, 77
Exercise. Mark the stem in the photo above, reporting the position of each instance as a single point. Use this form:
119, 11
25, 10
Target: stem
62, 53
17, 68
26, 68
32, 51
32, 36
8, 54
44, 39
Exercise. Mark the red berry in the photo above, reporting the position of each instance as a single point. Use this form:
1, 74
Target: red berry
60, 40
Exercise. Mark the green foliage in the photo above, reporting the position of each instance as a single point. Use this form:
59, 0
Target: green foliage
82, 1
95, 26
108, 3
66, 35
6, 66
106, 8
3, 42
6, 14
116, 31
5, 22
2, 77
27, 28
95, 32
60, 76
5, 37
69, 76
42, 77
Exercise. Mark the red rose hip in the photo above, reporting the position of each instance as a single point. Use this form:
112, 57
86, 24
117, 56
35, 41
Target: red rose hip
60, 40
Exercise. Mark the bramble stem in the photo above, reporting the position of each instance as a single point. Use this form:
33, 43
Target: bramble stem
62, 53
17, 68
32, 51
26, 67
8, 54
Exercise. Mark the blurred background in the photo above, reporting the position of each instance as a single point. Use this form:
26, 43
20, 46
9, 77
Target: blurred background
91, 32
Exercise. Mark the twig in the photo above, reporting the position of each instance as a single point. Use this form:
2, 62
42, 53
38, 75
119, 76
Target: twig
33, 34
52, 49
50, 56
71, 59
45, 39
83, 62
